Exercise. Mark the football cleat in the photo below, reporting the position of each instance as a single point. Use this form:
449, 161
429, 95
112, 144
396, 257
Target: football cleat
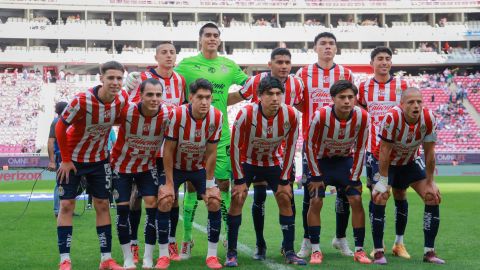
305, 248
231, 259
162, 262
260, 253
65, 265
361, 257
379, 258
173, 251
400, 251
342, 245
186, 250
292, 258
110, 264
213, 263
134, 249
316, 258
431, 257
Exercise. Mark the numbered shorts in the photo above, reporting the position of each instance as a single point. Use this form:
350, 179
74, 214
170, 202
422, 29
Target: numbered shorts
223, 167
98, 176
336, 172
197, 178
147, 184
401, 177
271, 175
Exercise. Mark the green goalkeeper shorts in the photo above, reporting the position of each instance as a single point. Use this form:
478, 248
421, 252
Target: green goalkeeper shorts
223, 167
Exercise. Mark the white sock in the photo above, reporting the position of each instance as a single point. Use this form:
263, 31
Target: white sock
358, 249
134, 242
148, 254
105, 256
163, 250
212, 249
427, 249
127, 254
399, 239
315, 247
379, 249
172, 239
64, 256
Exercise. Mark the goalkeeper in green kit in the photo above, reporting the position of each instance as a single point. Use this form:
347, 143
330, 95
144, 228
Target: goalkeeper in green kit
222, 73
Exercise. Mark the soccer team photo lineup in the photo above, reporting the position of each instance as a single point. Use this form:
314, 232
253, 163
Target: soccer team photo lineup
194, 164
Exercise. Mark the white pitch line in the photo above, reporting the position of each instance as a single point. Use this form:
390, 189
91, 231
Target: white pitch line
247, 251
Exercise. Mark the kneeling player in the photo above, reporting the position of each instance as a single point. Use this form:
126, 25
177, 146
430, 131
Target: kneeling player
142, 127
82, 134
257, 153
335, 150
189, 153
403, 130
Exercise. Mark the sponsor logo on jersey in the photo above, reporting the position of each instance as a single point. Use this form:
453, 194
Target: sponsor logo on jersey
269, 130
320, 96
212, 70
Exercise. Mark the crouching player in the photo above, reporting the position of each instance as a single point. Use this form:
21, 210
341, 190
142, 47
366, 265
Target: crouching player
189, 153
257, 153
403, 130
335, 150
140, 136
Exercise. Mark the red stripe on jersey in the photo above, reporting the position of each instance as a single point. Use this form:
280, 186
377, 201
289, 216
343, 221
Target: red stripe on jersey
90, 124
293, 88
407, 138
192, 136
258, 141
342, 138
316, 93
378, 98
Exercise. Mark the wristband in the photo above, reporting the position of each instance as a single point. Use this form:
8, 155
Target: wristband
380, 187
211, 183
284, 182
384, 180
240, 181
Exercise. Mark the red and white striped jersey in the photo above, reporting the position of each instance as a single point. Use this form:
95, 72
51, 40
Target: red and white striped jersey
407, 138
90, 122
317, 82
293, 89
378, 98
192, 136
139, 139
329, 137
173, 88
257, 140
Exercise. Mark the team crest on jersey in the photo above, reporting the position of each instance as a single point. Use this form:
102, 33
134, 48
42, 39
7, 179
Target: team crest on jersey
212, 70
224, 68
146, 127
286, 125
198, 133
398, 91
342, 77
326, 78
211, 128
61, 191
423, 128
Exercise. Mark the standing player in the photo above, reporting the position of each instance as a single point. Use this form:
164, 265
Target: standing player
280, 66
222, 73
174, 86
82, 135
378, 95
403, 130
257, 153
190, 153
317, 79
142, 127
335, 149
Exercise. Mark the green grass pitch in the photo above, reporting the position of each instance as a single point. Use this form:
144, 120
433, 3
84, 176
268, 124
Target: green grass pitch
30, 243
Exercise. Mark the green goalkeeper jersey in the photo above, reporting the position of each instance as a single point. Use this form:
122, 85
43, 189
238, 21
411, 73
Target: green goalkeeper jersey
222, 73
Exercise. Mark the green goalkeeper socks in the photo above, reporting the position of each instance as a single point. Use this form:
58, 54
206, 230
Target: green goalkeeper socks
224, 206
190, 204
